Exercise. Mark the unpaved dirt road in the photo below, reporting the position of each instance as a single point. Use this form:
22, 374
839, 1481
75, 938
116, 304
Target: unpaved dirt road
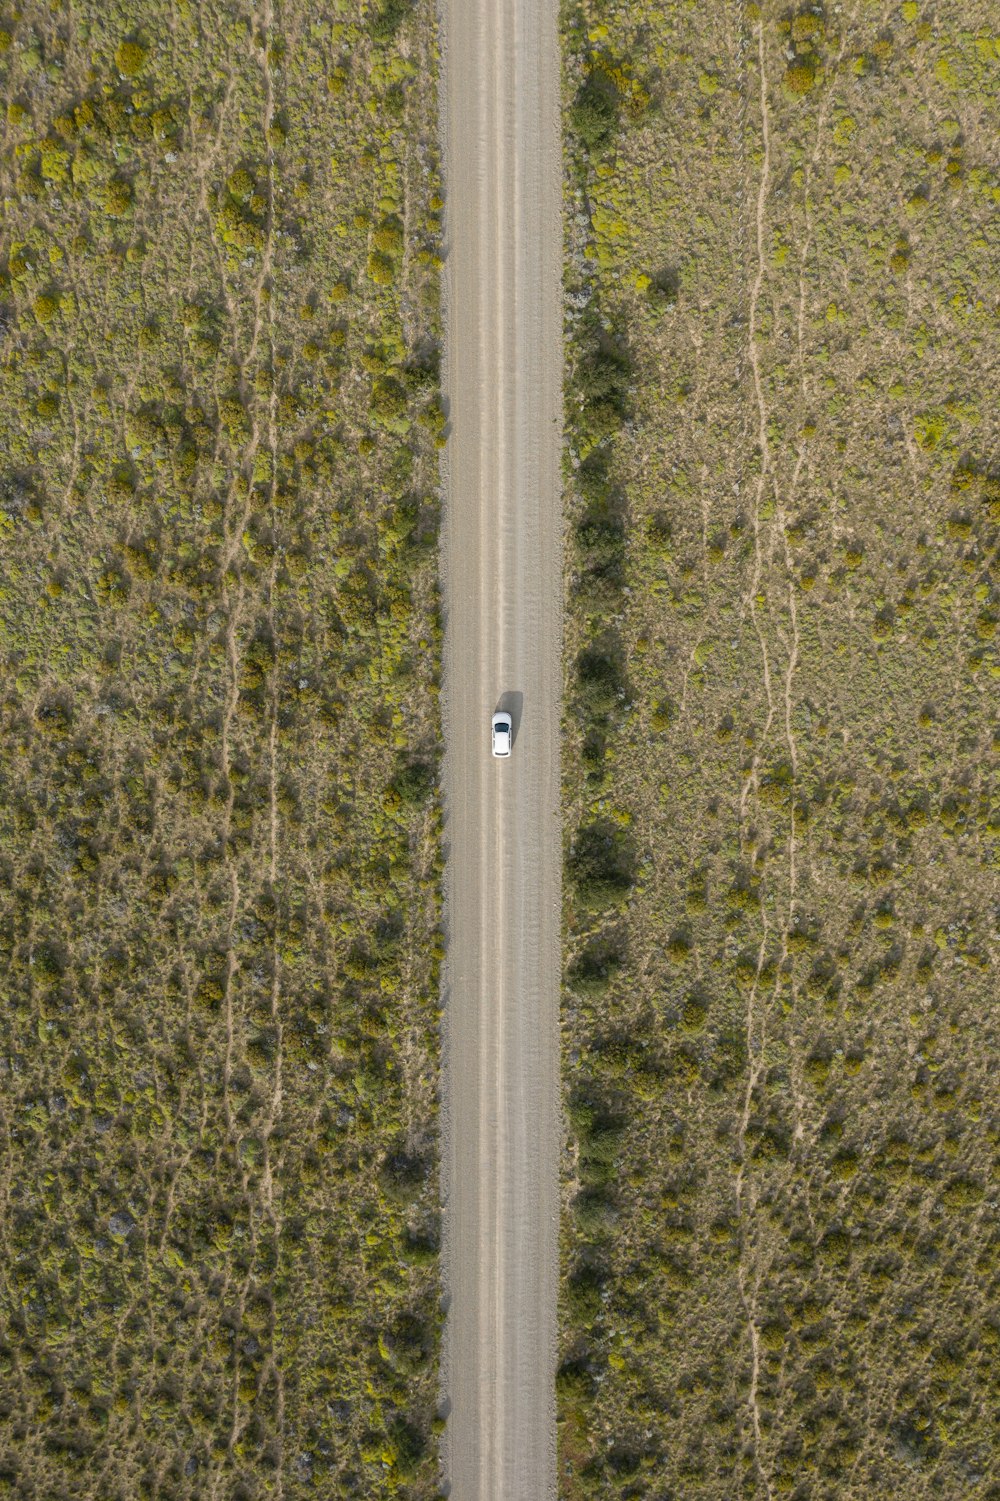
503, 602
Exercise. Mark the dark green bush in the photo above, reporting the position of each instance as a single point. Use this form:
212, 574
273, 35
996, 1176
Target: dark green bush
594, 1211
418, 1250
583, 1295
729, 1056
402, 1175
602, 1141
600, 678
593, 753
574, 1380
596, 111
601, 864
388, 399
410, 1443
414, 782
596, 483
601, 539
595, 967
388, 18
601, 382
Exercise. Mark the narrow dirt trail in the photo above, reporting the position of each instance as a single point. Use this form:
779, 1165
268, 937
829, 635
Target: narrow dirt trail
503, 601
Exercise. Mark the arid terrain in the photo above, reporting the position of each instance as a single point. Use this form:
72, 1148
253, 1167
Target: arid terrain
780, 1249
218, 823
221, 836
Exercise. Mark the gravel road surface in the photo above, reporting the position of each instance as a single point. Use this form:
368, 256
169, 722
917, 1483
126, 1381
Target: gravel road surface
503, 603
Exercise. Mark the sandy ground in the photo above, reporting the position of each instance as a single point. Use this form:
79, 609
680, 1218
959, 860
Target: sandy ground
503, 602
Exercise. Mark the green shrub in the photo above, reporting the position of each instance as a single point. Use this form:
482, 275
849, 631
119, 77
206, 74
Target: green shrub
241, 185
844, 1165
388, 399
772, 1337
694, 1013
729, 1056
601, 381
601, 538
663, 715
600, 678
596, 110
419, 1250
800, 77
387, 19
595, 1213
835, 1246
388, 238
402, 1175
573, 1380
117, 197
583, 1295
45, 307
963, 1193
130, 58
595, 967
601, 865
414, 783
679, 945
602, 1141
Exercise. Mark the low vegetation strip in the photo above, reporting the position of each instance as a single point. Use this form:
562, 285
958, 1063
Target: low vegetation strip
780, 1012
218, 824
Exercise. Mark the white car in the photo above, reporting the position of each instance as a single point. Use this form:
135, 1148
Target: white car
503, 734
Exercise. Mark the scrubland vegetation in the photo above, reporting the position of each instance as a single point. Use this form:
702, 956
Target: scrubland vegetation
218, 827
219, 422
780, 1264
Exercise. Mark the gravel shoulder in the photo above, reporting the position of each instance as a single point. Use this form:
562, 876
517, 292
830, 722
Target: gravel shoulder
503, 604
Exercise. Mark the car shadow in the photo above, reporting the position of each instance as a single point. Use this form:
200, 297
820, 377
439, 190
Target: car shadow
512, 704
